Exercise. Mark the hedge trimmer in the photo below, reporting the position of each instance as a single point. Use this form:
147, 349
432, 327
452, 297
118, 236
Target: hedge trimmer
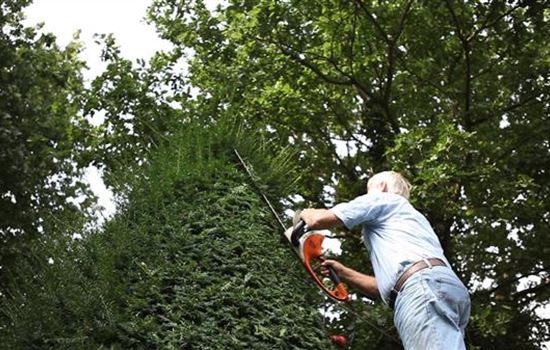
308, 245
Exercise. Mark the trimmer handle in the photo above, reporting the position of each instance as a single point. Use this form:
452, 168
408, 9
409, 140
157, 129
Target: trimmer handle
298, 232
333, 276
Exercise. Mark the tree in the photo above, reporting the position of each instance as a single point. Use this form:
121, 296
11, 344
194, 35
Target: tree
43, 135
456, 95
136, 103
192, 261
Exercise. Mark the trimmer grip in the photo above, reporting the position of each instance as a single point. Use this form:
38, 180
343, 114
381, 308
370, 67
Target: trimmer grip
334, 276
297, 232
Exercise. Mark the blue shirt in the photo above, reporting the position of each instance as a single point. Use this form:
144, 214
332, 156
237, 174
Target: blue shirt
395, 233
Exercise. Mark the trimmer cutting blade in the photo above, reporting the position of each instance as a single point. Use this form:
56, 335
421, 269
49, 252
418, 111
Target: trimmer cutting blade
308, 246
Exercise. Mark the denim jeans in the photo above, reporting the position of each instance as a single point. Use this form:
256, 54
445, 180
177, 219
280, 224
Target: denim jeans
432, 310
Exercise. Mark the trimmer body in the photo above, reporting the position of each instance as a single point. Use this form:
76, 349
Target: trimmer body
309, 246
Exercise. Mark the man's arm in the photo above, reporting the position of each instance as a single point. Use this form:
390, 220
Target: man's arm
320, 218
364, 283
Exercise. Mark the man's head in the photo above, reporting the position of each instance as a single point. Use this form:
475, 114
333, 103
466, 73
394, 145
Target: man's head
389, 181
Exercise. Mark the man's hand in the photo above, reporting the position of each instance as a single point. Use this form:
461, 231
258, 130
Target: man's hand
366, 284
336, 266
320, 218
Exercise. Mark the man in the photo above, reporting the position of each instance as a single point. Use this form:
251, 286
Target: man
431, 305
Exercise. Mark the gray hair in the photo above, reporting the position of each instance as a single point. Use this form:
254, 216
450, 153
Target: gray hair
395, 183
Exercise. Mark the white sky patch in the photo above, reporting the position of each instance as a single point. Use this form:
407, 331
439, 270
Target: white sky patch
344, 148
97, 118
123, 18
296, 199
328, 195
9, 195
360, 143
478, 284
332, 247
105, 196
513, 235
533, 280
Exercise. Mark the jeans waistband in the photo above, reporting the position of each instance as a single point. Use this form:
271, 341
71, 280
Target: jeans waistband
417, 266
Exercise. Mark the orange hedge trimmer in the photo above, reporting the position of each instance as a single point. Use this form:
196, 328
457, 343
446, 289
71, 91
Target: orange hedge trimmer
307, 244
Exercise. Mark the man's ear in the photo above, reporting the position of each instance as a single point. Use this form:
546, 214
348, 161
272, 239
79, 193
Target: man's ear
383, 186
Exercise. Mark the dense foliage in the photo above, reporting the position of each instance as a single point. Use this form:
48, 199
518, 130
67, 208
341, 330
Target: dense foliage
43, 136
193, 261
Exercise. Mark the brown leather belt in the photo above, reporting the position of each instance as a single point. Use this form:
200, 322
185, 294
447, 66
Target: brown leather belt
417, 266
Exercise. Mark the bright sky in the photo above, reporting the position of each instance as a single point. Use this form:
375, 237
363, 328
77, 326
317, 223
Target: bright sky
123, 18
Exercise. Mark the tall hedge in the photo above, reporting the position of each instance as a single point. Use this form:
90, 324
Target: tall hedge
192, 261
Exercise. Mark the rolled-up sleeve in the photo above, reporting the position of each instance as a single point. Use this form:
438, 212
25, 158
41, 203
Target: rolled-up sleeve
343, 212
365, 209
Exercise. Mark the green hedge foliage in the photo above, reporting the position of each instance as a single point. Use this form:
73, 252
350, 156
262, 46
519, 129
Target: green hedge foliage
193, 260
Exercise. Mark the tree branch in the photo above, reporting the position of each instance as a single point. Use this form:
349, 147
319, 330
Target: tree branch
313, 67
402, 21
485, 25
351, 54
468, 68
390, 72
508, 282
542, 286
524, 103
345, 125
350, 81
373, 20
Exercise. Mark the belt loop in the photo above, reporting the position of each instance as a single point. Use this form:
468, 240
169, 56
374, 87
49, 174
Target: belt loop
427, 263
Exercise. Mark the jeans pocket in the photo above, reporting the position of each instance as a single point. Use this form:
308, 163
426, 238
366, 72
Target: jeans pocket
453, 298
